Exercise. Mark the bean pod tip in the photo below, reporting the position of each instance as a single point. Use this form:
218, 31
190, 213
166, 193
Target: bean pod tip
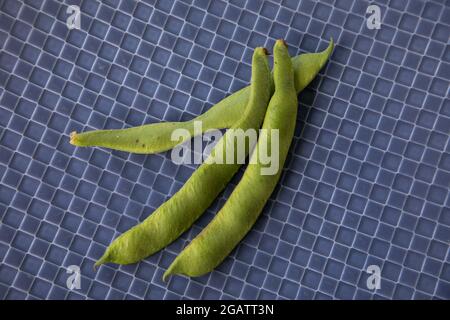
103, 259
168, 273
282, 41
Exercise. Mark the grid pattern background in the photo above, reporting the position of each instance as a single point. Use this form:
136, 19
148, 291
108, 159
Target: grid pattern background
366, 182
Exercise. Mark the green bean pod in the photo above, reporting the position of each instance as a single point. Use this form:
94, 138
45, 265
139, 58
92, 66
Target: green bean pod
156, 137
177, 214
247, 200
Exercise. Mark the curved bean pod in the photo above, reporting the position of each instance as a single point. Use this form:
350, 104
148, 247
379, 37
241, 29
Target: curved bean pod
156, 137
246, 202
177, 214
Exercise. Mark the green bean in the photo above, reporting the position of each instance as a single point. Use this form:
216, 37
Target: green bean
156, 137
177, 214
247, 200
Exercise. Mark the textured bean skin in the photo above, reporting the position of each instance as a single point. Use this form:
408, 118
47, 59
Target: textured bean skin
156, 137
247, 200
177, 214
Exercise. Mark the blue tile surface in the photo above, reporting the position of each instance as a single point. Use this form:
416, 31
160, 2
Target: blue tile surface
366, 183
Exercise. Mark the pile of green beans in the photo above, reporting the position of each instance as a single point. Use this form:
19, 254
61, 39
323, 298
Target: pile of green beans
270, 101
178, 213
